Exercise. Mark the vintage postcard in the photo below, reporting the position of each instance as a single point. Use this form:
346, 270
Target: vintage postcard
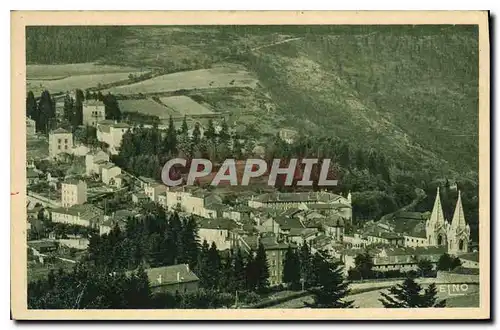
250, 165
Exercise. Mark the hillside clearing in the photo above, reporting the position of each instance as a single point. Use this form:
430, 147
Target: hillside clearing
185, 105
219, 77
54, 71
77, 82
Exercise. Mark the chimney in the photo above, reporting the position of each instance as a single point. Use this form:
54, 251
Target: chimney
187, 268
178, 277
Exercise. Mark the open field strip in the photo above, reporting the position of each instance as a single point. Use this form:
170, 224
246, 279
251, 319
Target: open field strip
219, 77
53, 71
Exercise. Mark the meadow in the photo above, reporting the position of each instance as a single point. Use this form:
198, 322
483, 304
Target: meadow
217, 77
59, 71
82, 82
185, 105
146, 106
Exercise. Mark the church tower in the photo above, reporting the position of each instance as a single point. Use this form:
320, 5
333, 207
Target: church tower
436, 227
458, 231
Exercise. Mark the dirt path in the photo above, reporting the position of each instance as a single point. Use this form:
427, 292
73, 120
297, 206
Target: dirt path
276, 43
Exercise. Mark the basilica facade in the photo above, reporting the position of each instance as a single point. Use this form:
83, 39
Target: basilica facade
455, 235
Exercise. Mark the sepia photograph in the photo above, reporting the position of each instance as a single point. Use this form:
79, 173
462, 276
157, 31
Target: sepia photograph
250, 165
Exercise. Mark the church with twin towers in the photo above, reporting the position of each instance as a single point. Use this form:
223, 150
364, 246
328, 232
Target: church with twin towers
455, 235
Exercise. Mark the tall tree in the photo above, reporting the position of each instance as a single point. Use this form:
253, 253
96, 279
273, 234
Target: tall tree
210, 133
332, 289
190, 246
261, 269
363, 264
291, 269
111, 107
78, 108
170, 141
409, 295
46, 113
31, 107
68, 108
306, 271
239, 270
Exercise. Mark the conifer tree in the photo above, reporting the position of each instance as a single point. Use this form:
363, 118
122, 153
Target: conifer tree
261, 269
190, 246
331, 289
291, 269
213, 268
170, 141
239, 270
31, 109
409, 295
306, 271
68, 108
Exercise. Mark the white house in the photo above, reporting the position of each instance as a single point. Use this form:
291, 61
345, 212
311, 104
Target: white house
111, 133
82, 215
109, 174
60, 141
218, 231
73, 192
93, 112
93, 160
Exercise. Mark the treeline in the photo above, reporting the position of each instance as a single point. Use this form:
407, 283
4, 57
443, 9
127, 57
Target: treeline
70, 44
144, 151
43, 111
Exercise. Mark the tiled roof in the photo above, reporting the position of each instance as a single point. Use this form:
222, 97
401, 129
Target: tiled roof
288, 223
298, 197
86, 211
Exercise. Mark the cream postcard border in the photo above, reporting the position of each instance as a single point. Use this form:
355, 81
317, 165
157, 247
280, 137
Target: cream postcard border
21, 19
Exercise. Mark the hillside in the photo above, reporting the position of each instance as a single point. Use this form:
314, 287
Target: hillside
409, 92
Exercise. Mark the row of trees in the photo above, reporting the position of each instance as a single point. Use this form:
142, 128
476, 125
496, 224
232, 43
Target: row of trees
145, 150
42, 112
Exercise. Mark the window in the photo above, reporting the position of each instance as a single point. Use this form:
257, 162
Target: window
59, 147
58, 140
66, 147
65, 140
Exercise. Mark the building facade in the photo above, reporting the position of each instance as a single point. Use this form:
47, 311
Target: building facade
73, 193
93, 112
60, 141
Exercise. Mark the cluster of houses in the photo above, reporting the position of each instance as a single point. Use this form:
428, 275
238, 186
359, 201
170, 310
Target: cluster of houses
276, 220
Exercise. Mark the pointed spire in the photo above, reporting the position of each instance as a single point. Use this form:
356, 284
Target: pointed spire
458, 216
437, 211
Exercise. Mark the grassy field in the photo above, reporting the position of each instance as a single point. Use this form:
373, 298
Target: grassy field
146, 106
218, 77
76, 82
59, 71
184, 105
